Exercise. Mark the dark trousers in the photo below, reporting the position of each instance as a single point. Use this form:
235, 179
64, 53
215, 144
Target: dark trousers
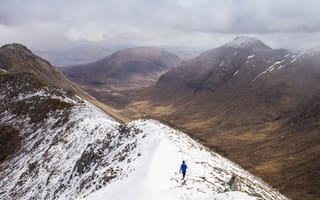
183, 175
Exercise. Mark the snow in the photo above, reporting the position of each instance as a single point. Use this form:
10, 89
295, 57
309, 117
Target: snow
293, 60
242, 41
271, 68
281, 66
251, 56
221, 63
90, 157
39, 93
296, 57
156, 174
54, 151
232, 196
278, 65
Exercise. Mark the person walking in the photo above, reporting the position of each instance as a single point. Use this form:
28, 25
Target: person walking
183, 169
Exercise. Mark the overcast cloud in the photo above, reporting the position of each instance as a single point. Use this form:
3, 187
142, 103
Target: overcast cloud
56, 24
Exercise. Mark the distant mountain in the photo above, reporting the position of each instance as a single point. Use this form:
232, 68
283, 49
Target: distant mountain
275, 84
127, 69
254, 104
124, 67
76, 55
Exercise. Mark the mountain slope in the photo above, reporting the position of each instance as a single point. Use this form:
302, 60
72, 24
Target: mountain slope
16, 58
133, 68
69, 148
156, 171
55, 130
249, 102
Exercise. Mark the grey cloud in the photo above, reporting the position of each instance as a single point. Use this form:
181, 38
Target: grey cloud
202, 23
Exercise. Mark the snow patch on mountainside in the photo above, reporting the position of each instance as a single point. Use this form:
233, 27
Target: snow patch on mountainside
251, 57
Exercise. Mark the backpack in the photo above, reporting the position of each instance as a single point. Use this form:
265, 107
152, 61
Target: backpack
231, 181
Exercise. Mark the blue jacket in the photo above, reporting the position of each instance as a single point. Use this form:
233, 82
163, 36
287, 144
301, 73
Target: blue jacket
183, 167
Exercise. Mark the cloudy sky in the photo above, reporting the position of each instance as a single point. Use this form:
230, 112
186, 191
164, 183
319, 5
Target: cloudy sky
60, 24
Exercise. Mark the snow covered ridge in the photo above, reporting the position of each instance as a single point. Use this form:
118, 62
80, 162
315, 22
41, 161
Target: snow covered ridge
73, 150
156, 171
65, 141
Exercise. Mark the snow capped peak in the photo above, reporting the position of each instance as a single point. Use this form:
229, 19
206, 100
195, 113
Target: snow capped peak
245, 39
246, 42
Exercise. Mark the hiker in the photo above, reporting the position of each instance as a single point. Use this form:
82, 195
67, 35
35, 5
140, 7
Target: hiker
183, 169
234, 183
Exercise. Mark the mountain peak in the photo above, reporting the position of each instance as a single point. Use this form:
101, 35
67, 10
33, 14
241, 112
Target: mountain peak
17, 58
143, 52
247, 42
14, 47
127, 68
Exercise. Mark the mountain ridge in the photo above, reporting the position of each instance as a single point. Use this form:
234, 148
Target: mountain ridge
70, 149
